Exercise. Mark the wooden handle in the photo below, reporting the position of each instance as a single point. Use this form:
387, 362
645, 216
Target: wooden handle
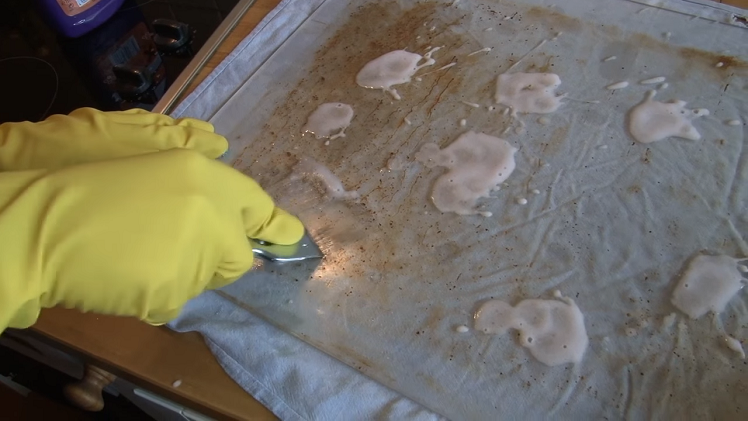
86, 394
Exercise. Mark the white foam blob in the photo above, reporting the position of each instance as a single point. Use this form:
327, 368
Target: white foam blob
544, 120
393, 68
617, 85
733, 122
719, 64
312, 170
535, 191
447, 66
482, 50
708, 284
735, 345
652, 120
611, 58
471, 104
528, 92
329, 120
176, 383
521, 201
553, 330
463, 122
652, 80
462, 329
476, 163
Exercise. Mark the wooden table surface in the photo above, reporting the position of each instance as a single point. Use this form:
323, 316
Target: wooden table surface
155, 357
737, 3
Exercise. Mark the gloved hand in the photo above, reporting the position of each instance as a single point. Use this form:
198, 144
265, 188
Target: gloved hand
88, 135
134, 236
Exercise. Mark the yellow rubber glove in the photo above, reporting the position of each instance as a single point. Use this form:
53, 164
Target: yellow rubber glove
135, 236
88, 135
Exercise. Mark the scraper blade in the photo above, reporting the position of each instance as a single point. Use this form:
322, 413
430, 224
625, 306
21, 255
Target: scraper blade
305, 249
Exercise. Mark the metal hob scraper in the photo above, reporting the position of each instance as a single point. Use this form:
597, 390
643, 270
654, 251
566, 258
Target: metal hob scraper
305, 249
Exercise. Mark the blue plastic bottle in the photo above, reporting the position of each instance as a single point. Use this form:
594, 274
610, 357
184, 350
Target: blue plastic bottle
73, 18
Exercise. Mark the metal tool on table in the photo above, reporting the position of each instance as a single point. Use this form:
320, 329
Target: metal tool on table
305, 249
